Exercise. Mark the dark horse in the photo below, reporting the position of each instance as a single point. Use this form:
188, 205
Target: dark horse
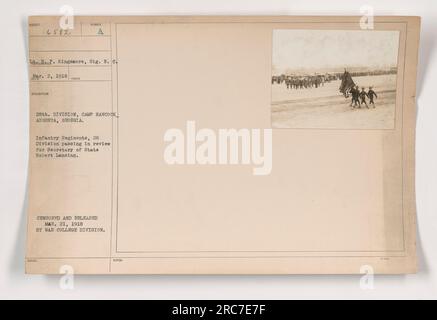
346, 84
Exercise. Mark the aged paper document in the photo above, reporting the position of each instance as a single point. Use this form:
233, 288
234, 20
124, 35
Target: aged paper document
222, 145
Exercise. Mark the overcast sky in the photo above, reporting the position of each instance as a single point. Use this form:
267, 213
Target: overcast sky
296, 49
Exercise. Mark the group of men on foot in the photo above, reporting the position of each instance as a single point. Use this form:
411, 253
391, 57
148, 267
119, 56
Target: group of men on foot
359, 97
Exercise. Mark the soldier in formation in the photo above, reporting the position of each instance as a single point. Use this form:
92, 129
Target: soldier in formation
371, 94
355, 93
363, 95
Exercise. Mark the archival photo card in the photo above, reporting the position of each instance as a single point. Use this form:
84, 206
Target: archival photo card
222, 145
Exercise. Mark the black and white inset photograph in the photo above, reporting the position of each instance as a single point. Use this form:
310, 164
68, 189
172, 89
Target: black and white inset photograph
334, 79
